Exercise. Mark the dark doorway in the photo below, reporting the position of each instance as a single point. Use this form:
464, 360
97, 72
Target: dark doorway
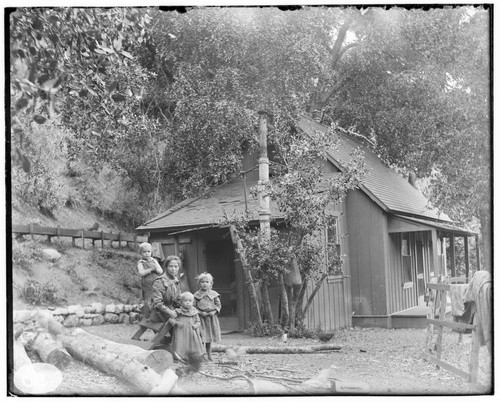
220, 263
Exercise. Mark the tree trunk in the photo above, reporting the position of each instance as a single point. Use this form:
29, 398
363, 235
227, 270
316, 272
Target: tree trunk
276, 349
20, 356
246, 270
302, 313
51, 352
267, 303
285, 313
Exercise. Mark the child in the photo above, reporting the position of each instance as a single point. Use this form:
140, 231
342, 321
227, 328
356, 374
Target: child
149, 269
186, 339
207, 301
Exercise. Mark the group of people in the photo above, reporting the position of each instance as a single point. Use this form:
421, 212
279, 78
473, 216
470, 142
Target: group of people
193, 317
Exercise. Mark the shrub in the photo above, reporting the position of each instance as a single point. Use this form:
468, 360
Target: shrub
37, 294
40, 182
25, 253
266, 329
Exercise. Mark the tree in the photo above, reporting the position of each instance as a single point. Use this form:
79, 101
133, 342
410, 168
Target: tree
303, 194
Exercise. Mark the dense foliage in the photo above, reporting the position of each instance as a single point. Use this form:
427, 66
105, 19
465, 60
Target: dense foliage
143, 107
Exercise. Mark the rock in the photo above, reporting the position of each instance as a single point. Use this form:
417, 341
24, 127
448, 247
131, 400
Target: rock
127, 308
71, 320
111, 318
134, 317
50, 254
98, 320
72, 309
110, 308
80, 312
99, 308
123, 318
60, 311
89, 309
23, 315
119, 308
85, 322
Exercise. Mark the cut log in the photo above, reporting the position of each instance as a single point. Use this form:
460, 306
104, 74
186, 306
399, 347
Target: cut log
159, 359
20, 356
51, 352
276, 349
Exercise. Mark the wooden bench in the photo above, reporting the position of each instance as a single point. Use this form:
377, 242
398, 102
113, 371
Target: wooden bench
159, 328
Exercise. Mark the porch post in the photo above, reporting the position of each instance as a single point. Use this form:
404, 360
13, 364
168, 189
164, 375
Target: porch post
466, 248
264, 212
452, 255
478, 260
435, 256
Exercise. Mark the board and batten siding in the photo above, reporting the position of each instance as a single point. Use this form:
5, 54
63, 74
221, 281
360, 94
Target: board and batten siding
403, 296
367, 231
331, 308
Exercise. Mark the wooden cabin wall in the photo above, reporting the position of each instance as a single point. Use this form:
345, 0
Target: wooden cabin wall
368, 246
406, 296
332, 305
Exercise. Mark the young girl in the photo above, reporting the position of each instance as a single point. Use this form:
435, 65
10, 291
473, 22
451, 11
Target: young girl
207, 301
186, 337
149, 269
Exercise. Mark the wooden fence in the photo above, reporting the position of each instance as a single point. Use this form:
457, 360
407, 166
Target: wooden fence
58, 232
439, 295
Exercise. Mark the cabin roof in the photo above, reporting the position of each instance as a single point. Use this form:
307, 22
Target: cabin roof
384, 186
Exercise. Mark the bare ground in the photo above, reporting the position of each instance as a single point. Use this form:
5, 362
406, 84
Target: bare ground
389, 362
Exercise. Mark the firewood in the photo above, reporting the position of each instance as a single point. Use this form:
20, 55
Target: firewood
50, 351
277, 349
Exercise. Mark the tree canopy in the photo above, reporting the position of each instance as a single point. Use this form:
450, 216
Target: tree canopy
167, 102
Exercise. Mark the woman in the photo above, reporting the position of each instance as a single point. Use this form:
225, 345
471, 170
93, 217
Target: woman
166, 291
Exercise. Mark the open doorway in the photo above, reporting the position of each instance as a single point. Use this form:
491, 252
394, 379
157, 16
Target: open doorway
220, 263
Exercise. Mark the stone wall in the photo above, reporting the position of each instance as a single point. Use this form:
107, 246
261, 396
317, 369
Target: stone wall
84, 316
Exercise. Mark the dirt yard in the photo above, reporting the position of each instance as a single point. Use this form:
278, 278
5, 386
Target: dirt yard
387, 362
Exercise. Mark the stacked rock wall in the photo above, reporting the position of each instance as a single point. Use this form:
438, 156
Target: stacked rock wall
84, 316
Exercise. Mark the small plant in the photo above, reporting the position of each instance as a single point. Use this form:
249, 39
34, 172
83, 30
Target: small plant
266, 329
25, 253
37, 294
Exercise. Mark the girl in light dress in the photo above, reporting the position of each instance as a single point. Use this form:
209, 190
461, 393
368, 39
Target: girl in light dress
186, 336
207, 302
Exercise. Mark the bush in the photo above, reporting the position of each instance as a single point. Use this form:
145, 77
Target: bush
37, 294
40, 182
25, 253
266, 329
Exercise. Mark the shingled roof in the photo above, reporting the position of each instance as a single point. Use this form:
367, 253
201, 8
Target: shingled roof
383, 185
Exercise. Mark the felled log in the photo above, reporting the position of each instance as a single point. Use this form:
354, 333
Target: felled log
110, 358
159, 360
20, 356
50, 351
276, 349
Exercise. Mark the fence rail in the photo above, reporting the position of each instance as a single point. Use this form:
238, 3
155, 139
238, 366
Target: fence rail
33, 229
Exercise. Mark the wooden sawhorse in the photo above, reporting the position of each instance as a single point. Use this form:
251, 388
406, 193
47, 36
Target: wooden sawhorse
159, 328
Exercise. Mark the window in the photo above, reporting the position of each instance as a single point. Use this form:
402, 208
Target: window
333, 243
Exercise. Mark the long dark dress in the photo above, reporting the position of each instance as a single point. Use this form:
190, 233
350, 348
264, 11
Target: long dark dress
186, 340
208, 302
166, 291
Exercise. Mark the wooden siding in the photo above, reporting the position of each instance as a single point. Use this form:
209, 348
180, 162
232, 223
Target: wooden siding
329, 309
420, 249
367, 231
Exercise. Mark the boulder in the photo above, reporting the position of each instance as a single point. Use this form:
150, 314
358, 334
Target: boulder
98, 320
85, 322
111, 318
50, 254
71, 320
99, 308
124, 318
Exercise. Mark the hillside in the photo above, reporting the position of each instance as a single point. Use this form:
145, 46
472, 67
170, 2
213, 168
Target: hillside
80, 276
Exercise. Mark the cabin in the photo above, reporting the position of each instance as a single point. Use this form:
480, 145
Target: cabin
395, 242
